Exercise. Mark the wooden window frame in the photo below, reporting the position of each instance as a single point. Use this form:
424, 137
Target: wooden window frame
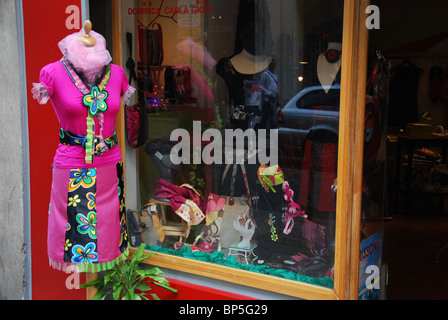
350, 165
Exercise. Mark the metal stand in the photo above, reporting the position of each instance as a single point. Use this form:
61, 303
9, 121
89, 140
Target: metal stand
247, 254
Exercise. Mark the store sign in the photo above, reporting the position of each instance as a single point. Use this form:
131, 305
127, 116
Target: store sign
183, 7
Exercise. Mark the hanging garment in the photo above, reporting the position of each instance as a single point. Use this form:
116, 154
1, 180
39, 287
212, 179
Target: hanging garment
444, 91
403, 104
435, 83
318, 171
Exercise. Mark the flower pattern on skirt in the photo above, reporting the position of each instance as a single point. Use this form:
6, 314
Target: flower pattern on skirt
85, 178
123, 244
81, 234
85, 254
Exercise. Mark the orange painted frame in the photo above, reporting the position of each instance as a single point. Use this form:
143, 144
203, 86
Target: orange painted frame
351, 149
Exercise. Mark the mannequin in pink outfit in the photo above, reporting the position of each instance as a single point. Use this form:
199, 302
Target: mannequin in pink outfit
86, 224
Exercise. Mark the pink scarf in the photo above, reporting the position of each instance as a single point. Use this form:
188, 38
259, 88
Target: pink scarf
178, 195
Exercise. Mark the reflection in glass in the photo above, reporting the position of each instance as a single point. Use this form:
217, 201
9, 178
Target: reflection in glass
240, 65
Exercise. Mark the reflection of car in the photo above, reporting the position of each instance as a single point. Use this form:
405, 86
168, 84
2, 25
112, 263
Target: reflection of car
309, 113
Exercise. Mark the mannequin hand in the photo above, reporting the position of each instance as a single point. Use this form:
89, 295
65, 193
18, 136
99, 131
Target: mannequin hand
247, 229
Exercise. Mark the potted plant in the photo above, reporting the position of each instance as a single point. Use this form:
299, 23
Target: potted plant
127, 282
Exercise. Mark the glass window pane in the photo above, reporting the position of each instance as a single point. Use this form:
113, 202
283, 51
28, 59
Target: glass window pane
242, 101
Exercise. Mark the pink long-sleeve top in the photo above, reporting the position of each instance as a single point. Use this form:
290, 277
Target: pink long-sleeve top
71, 113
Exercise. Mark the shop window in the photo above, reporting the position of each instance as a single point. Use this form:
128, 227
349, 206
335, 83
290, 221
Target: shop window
249, 91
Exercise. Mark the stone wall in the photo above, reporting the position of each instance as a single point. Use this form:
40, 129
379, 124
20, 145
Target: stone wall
13, 156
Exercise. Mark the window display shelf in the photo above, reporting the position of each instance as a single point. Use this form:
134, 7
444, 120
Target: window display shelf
242, 277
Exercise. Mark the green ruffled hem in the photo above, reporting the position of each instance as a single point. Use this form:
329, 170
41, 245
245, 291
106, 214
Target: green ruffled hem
91, 267
217, 257
104, 266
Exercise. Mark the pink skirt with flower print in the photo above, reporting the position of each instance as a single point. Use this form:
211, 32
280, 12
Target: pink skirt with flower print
87, 218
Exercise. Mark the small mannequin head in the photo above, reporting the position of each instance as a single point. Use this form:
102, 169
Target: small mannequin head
87, 54
86, 39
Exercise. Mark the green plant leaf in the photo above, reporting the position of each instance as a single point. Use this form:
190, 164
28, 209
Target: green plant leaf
99, 295
110, 275
161, 280
154, 271
139, 253
154, 296
123, 279
141, 273
92, 283
145, 257
164, 286
143, 286
117, 290
124, 269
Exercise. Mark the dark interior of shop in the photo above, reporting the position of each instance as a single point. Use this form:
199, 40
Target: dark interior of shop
413, 36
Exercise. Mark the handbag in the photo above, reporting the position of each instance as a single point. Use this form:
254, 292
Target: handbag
135, 235
145, 226
136, 125
211, 231
150, 45
239, 210
136, 115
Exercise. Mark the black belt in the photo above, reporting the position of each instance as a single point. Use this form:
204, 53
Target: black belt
70, 139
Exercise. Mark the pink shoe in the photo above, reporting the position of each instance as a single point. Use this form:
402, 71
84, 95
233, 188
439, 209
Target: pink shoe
208, 247
204, 247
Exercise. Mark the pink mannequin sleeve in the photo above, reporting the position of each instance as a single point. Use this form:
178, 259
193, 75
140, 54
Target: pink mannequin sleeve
44, 89
126, 90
